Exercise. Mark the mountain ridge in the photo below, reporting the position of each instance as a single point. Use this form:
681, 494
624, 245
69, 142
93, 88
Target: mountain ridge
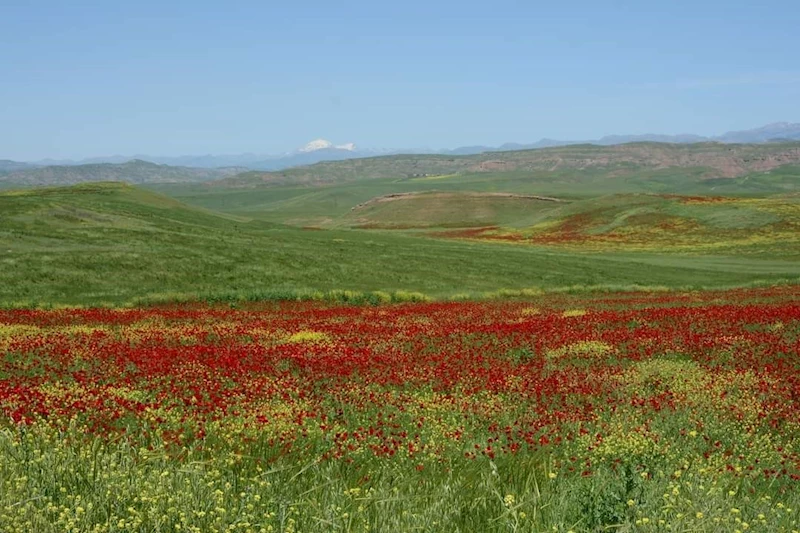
6, 165
715, 159
324, 150
135, 172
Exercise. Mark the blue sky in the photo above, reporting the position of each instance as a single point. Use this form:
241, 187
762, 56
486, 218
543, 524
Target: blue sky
80, 79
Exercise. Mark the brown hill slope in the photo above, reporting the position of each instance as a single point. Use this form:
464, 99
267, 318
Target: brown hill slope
719, 160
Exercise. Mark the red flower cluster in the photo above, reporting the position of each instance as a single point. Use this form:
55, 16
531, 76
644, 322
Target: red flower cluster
424, 380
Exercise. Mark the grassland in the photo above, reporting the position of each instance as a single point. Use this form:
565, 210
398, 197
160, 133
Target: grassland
765, 227
112, 244
450, 209
641, 210
302, 204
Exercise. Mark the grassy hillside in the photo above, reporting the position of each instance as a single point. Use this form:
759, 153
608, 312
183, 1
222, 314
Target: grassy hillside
688, 224
448, 209
137, 172
783, 179
113, 244
325, 205
618, 222
715, 160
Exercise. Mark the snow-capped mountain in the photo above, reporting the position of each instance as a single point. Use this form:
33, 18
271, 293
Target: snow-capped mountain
313, 152
322, 144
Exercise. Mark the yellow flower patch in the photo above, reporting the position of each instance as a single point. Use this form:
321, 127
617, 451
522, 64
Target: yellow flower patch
309, 337
587, 349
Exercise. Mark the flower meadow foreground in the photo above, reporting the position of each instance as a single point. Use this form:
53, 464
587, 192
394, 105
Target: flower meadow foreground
629, 412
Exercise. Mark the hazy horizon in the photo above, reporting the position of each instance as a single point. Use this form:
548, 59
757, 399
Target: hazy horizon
198, 78
358, 149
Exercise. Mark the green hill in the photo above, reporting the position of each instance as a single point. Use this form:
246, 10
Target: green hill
767, 227
328, 204
618, 222
448, 209
136, 172
114, 244
323, 195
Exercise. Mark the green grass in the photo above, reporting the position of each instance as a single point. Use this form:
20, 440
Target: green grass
785, 179
303, 204
768, 227
648, 219
119, 487
450, 209
111, 244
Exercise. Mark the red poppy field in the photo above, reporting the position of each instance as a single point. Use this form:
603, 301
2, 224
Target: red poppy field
651, 412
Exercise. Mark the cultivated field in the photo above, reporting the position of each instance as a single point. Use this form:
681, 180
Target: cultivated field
672, 412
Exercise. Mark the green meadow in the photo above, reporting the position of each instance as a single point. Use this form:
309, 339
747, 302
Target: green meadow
114, 244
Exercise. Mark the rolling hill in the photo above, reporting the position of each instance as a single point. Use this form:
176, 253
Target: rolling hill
325, 204
714, 160
136, 171
447, 209
768, 227
115, 244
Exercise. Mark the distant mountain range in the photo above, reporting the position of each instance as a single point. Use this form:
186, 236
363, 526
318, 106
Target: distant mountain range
196, 169
313, 152
135, 172
779, 131
323, 150
10, 166
709, 160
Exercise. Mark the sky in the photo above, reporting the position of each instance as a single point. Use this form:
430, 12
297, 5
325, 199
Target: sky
81, 79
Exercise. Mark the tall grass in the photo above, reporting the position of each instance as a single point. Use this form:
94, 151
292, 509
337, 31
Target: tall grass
55, 482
